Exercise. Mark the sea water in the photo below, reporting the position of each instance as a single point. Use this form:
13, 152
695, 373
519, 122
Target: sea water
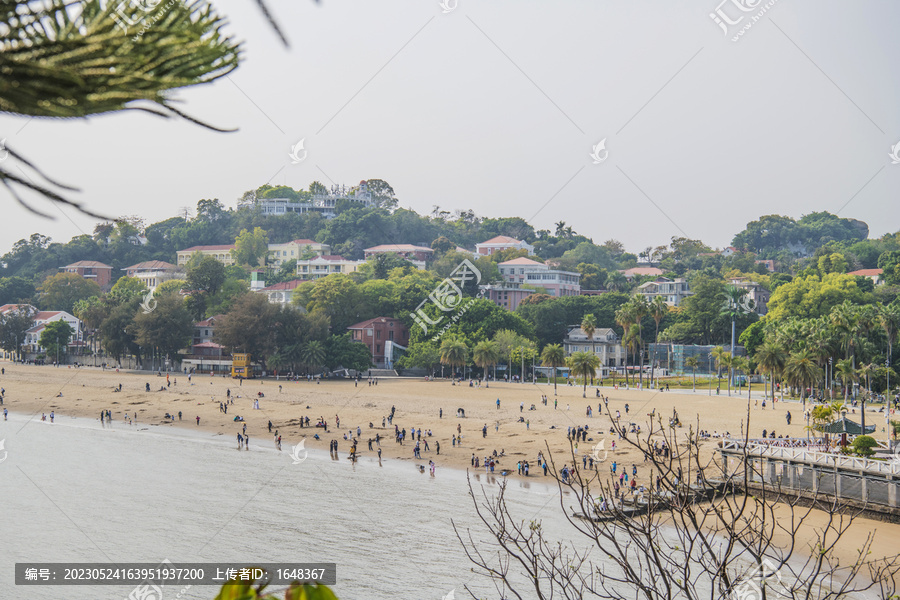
76, 491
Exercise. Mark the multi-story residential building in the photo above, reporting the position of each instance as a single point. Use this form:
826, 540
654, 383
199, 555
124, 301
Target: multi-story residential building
524, 271
324, 203
407, 251
154, 272
378, 335
605, 343
323, 266
755, 292
505, 296
224, 253
769, 264
41, 319
294, 250
876, 275
281, 293
502, 242
673, 291
99, 273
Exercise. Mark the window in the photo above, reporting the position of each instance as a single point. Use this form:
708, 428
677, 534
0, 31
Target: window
378, 335
378, 348
391, 333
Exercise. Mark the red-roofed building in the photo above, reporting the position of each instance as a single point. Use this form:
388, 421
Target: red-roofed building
502, 242
876, 275
31, 344
98, 272
379, 335
281, 293
641, 272
224, 253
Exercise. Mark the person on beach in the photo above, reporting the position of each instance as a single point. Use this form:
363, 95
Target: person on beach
198, 420
240, 440
4, 418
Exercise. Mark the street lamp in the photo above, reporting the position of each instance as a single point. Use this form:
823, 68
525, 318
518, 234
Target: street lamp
57, 351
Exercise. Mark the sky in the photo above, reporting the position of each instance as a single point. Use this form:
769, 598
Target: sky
498, 106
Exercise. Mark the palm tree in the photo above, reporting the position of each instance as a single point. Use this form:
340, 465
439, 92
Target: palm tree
640, 308
589, 326
889, 318
735, 305
729, 361
583, 364
624, 319
312, 354
847, 374
802, 371
616, 282
454, 353
506, 343
632, 341
658, 310
485, 354
718, 354
524, 350
554, 356
693, 362
61, 62
770, 356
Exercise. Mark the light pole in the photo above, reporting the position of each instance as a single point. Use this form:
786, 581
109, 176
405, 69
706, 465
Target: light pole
57, 351
709, 372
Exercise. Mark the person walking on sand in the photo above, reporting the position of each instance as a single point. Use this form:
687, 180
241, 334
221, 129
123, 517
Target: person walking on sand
240, 440
5, 411
198, 420
498, 403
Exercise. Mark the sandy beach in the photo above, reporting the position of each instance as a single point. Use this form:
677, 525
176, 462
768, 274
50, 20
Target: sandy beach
87, 391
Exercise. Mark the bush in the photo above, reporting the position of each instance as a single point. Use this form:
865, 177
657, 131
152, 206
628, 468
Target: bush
863, 445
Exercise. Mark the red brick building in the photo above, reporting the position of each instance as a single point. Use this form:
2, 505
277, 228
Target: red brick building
374, 333
97, 272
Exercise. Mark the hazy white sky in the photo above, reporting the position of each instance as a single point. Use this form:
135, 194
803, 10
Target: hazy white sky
495, 106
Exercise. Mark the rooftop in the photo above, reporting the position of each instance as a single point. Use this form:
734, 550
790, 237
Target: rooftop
523, 262
370, 322
399, 248
209, 248
94, 264
283, 286
867, 272
501, 239
152, 265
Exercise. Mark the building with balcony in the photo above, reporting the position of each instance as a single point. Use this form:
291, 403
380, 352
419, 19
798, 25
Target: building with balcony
524, 271
281, 293
323, 266
41, 319
95, 271
673, 291
502, 242
755, 292
294, 250
224, 253
605, 343
407, 251
153, 272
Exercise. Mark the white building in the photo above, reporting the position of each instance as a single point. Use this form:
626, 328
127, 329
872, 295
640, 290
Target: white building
224, 253
281, 293
502, 242
524, 271
153, 272
41, 319
673, 291
325, 203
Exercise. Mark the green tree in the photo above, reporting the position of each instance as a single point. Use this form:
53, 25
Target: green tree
251, 248
13, 325
127, 289
553, 356
167, 328
693, 362
771, 357
454, 353
423, 355
55, 338
485, 354
585, 365
343, 352
62, 290
801, 370
206, 276
250, 326
14, 290
589, 326
313, 354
